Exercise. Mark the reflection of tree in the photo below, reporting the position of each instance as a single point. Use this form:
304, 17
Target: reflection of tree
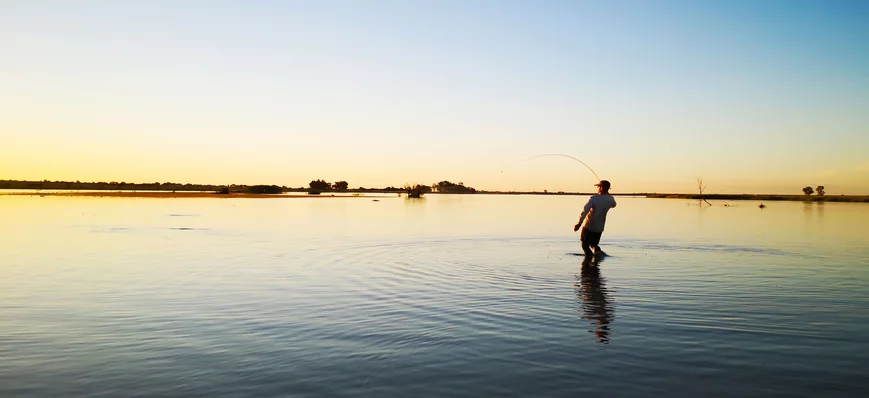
597, 308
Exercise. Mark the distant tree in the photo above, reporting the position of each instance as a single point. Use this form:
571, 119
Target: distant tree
808, 191
448, 187
264, 189
701, 186
416, 191
820, 190
340, 186
319, 186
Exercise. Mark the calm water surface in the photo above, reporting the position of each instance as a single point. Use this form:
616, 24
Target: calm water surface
464, 296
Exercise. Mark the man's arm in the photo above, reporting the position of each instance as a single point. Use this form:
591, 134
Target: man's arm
585, 211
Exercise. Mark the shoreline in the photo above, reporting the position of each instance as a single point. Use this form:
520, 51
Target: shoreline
762, 197
178, 195
376, 195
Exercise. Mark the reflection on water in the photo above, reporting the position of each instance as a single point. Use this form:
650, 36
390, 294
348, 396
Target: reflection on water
813, 213
596, 306
443, 296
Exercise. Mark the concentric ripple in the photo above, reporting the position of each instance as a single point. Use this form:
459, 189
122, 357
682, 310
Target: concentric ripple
212, 298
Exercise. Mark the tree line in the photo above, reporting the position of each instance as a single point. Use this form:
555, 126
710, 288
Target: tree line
808, 191
416, 190
112, 185
315, 186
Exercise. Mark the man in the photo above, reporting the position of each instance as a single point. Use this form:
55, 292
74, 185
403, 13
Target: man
596, 209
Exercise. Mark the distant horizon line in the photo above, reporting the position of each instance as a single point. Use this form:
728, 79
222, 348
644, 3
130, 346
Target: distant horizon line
389, 188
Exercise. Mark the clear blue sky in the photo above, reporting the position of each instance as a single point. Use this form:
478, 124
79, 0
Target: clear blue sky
754, 96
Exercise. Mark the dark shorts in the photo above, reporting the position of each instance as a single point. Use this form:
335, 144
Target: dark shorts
591, 238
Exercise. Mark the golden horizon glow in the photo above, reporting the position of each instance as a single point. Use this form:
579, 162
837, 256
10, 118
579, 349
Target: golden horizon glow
284, 94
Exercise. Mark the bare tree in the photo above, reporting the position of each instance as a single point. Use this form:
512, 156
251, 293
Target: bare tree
701, 186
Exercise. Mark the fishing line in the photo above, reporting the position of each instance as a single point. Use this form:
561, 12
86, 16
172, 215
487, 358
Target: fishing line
564, 156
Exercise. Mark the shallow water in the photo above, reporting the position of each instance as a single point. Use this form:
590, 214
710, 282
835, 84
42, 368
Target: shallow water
445, 296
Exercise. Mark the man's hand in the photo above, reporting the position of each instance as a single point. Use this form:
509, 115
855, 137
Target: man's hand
576, 227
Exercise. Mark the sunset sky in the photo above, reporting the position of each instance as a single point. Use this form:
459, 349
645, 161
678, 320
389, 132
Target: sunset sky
754, 96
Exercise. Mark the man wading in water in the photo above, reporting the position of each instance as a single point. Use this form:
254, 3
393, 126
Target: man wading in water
596, 209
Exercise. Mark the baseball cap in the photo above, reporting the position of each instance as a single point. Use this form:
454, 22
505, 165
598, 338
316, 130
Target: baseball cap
603, 184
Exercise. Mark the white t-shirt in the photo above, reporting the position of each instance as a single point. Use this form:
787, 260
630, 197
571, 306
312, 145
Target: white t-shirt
596, 209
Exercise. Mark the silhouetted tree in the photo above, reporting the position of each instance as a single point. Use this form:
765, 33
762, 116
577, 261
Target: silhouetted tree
319, 186
820, 190
340, 186
416, 191
808, 191
448, 187
701, 186
264, 189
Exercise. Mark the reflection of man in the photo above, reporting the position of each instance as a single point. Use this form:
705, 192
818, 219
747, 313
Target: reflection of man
596, 209
594, 303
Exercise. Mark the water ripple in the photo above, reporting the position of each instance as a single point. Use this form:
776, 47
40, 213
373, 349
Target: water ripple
154, 313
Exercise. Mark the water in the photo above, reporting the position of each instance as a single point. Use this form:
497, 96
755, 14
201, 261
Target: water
463, 296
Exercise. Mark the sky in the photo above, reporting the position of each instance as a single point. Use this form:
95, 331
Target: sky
752, 96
